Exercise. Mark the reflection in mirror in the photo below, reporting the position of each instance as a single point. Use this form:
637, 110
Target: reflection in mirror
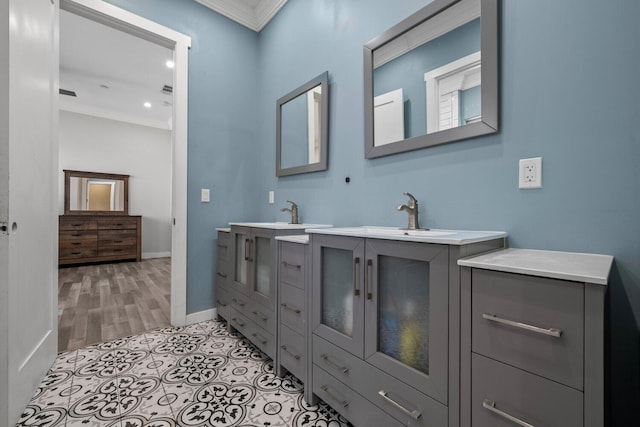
95, 193
301, 128
432, 79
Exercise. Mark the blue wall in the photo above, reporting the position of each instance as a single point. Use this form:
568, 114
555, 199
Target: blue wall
223, 88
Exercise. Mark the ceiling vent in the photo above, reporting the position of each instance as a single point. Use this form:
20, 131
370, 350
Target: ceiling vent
167, 89
67, 92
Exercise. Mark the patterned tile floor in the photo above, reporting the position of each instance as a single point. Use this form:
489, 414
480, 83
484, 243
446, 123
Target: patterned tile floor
198, 375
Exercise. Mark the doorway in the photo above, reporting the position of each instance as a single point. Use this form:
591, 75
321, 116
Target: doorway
178, 44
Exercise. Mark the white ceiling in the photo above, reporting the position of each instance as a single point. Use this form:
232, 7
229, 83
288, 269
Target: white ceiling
92, 54
254, 14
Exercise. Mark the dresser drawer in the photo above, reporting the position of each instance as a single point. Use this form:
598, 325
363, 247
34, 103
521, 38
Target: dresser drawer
292, 351
77, 224
119, 223
262, 316
118, 251
78, 235
291, 307
396, 398
292, 260
532, 323
358, 410
116, 238
77, 244
73, 253
499, 391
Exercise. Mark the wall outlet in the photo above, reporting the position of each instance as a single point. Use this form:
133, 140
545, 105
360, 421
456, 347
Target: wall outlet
272, 197
205, 195
530, 175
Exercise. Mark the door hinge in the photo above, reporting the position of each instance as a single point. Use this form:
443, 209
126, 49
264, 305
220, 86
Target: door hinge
4, 228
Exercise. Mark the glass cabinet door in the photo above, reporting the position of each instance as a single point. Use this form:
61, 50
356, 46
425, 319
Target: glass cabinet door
262, 261
406, 332
337, 291
241, 244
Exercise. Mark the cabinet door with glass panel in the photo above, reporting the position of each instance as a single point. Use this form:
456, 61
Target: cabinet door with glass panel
262, 262
241, 244
406, 313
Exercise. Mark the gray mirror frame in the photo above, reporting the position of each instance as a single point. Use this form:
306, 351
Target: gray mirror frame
323, 81
489, 89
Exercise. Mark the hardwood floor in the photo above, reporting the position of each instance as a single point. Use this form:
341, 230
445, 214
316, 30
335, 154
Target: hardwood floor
102, 302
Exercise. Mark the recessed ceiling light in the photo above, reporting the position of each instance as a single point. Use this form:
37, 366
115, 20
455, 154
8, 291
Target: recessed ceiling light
147, 104
170, 64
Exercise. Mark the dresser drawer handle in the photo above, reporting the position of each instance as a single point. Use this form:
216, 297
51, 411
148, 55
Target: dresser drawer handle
238, 322
550, 331
77, 225
491, 406
224, 276
289, 352
76, 243
342, 402
413, 414
260, 315
329, 362
240, 303
289, 265
76, 234
260, 338
287, 307
76, 253
117, 241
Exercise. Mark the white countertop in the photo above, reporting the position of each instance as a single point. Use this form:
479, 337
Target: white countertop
279, 225
224, 229
296, 238
445, 237
577, 267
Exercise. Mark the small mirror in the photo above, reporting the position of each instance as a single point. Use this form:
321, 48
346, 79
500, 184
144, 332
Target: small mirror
432, 79
302, 128
93, 193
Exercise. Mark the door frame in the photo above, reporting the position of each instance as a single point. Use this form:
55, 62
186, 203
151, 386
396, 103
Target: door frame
120, 19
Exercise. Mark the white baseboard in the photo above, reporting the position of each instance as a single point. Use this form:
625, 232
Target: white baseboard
202, 316
147, 255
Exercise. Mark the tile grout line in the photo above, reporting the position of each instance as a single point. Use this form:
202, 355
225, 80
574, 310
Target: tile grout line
73, 377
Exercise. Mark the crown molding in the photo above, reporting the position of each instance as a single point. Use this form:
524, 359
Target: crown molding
240, 12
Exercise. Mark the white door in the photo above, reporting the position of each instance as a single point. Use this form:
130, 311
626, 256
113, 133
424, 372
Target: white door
28, 199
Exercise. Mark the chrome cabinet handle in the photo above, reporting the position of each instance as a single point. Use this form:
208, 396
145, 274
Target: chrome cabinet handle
491, 406
553, 332
342, 402
260, 315
329, 362
260, 338
224, 276
246, 249
289, 352
287, 307
222, 246
221, 303
238, 322
251, 249
367, 279
415, 414
240, 303
289, 265
356, 264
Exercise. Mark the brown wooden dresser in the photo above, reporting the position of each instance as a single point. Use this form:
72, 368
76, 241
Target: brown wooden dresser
98, 238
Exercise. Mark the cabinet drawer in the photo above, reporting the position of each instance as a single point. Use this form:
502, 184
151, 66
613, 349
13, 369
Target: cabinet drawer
223, 246
78, 235
77, 224
516, 393
223, 303
385, 391
358, 410
77, 244
72, 253
240, 322
291, 307
263, 340
129, 223
239, 302
262, 316
501, 298
292, 260
118, 251
291, 350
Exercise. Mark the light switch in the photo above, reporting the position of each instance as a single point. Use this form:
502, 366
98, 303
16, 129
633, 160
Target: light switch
272, 197
204, 195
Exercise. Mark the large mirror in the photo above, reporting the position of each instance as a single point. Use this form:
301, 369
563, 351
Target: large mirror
302, 126
94, 193
433, 78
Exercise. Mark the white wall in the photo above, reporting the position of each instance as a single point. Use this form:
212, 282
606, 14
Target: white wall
94, 144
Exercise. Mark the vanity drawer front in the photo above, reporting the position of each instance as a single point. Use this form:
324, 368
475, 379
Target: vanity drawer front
116, 238
501, 298
291, 307
77, 244
72, 253
223, 303
522, 395
119, 223
239, 302
292, 352
240, 322
77, 235
263, 340
76, 224
262, 316
292, 260
358, 410
223, 246
385, 391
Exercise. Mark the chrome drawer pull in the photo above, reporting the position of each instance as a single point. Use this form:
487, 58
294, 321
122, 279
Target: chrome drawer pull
224, 276
288, 265
550, 331
367, 279
491, 406
344, 403
286, 307
261, 316
221, 303
222, 246
240, 303
238, 322
289, 352
413, 414
356, 265
342, 369
260, 338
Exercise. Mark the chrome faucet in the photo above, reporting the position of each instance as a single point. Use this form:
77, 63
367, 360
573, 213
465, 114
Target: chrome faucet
412, 209
293, 211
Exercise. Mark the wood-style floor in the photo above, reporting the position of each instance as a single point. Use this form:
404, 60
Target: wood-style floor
101, 302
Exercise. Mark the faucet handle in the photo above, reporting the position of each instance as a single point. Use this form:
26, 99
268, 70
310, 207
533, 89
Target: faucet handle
412, 199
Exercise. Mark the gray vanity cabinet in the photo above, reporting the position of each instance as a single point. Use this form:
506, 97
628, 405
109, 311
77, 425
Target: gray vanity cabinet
253, 268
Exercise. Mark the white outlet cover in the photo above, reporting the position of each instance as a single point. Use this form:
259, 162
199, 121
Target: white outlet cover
530, 173
205, 195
